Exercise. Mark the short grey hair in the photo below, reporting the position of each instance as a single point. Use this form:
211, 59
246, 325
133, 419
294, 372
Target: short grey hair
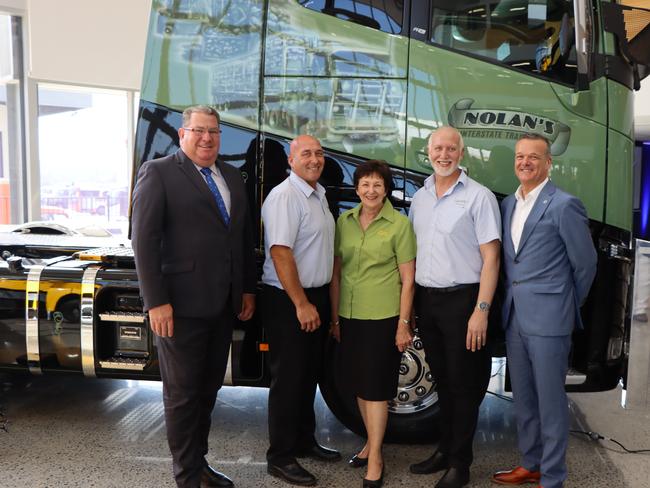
461, 143
530, 136
199, 109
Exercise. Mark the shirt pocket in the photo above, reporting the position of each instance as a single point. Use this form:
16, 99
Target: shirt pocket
381, 248
451, 217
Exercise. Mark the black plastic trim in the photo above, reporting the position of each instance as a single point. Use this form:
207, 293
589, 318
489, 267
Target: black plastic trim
614, 68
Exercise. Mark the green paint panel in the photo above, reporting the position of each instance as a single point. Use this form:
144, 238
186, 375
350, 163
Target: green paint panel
621, 108
359, 116
205, 53
590, 104
339, 81
351, 86
619, 181
304, 42
492, 105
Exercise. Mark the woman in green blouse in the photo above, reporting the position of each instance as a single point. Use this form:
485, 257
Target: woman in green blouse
372, 295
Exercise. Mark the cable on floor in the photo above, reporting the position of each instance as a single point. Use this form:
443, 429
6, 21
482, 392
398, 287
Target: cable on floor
595, 436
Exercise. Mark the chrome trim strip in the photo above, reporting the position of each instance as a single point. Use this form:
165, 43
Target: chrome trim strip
31, 319
87, 314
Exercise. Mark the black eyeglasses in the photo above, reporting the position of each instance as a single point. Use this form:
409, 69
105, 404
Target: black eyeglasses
199, 131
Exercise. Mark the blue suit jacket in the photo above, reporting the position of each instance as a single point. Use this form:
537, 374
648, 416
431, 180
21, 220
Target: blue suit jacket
549, 277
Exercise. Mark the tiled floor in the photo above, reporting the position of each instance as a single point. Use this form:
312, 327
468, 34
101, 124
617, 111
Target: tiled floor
75, 432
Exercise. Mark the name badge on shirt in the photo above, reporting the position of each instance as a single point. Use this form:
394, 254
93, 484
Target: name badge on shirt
460, 203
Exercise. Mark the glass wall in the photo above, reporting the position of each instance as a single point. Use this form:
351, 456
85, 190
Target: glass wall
85, 156
12, 202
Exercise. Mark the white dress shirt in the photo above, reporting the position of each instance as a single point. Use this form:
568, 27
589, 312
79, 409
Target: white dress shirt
220, 181
522, 211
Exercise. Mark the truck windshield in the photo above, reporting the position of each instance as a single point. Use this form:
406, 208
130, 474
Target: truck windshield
532, 35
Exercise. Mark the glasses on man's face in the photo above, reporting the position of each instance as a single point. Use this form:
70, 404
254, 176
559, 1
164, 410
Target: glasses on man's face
200, 131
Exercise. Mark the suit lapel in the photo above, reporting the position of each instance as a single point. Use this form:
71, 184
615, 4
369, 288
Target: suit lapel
541, 204
190, 171
507, 219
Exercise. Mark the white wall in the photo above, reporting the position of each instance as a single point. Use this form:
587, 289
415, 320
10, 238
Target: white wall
642, 112
88, 42
13, 6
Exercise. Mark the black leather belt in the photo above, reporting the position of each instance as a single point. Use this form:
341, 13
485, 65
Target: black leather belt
448, 289
315, 289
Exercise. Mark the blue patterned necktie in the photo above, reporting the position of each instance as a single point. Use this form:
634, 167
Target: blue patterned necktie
217, 194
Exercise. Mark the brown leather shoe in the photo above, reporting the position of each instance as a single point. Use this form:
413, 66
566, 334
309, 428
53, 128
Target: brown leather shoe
517, 476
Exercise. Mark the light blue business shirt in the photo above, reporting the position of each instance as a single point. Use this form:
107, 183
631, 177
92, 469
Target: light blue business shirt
297, 216
450, 229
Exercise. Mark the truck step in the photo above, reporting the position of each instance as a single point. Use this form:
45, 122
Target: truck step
137, 317
133, 364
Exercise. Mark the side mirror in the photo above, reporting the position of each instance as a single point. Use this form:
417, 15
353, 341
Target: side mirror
583, 23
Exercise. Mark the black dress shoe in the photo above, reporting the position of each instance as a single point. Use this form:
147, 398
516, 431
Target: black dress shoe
437, 462
210, 477
358, 462
454, 478
374, 483
320, 453
292, 473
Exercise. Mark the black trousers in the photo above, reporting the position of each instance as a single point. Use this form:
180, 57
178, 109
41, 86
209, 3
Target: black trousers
192, 366
462, 376
295, 359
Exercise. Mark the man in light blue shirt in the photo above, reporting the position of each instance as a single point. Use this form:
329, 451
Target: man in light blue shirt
458, 229
299, 245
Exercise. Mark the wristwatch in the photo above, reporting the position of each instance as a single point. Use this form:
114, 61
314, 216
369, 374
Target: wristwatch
483, 306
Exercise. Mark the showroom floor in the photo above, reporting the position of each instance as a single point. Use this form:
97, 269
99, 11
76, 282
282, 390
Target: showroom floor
76, 432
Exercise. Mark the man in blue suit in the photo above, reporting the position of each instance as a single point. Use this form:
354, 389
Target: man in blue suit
549, 263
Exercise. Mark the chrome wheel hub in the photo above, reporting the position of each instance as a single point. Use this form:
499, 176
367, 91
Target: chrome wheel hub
416, 389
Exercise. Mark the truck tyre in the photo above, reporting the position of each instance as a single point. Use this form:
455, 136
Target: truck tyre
413, 413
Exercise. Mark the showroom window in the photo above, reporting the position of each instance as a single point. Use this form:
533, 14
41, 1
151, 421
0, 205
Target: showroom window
385, 15
85, 156
12, 159
533, 35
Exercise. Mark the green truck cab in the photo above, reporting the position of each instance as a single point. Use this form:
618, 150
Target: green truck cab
370, 79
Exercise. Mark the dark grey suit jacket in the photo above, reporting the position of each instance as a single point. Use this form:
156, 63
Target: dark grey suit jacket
185, 254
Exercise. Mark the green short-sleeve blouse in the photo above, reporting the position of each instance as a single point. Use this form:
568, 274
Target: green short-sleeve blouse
370, 280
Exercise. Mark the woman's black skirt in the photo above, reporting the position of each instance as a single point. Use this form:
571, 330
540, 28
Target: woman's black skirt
369, 358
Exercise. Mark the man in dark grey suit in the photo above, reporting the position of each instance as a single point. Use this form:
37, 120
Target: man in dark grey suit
549, 263
193, 244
